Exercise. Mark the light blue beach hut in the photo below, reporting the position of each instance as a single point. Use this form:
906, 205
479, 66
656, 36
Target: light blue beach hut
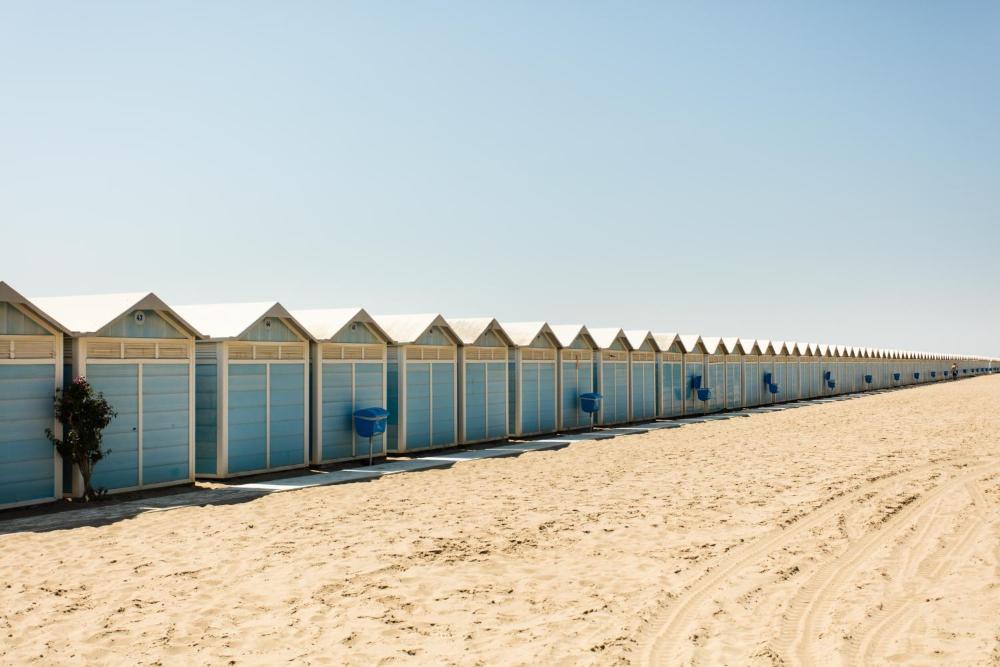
31, 372
483, 380
347, 373
671, 375
753, 392
138, 352
715, 373
251, 389
421, 382
642, 375
576, 353
734, 373
532, 375
695, 378
611, 377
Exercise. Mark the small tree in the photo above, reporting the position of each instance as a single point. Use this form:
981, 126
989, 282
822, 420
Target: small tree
84, 415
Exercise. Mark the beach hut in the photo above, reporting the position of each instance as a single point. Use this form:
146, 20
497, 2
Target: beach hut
767, 379
421, 386
611, 375
251, 389
809, 370
138, 352
734, 373
793, 371
483, 381
642, 375
695, 377
671, 375
31, 372
715, 373
347, 372
532, 378
576, 356
753, 392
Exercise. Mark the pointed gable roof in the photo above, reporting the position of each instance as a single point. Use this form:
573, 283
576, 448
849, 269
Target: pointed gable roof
88, 314
732, 345
713, 344
605, 337
638, 337
691, 343
406, 329
324, 324
10, 295
232, 320
469, 329
567, 333
523, 334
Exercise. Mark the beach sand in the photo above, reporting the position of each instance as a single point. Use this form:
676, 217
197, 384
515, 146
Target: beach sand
857, 531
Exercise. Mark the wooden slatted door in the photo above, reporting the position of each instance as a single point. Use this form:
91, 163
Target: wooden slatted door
120, 385
27, 468
643, 390
671, 385
577, 377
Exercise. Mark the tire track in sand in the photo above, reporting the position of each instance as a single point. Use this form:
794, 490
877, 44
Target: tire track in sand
678, 616
819, 593
931, 570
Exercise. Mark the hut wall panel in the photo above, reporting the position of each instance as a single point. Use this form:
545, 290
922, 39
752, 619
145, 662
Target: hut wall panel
26, 458
717, 382
418, 406
530, 398
614, 389
338, 431
672, 389
392, 405
278, 332
443, 391
368, 394
287, 398
496, 380
779, 379
694, 365
165, 423
751, 382
734, 384
475, 401
120, 385
247, 417
206, 418
643, 390
15, 323
577, 378
791, 380
153, 326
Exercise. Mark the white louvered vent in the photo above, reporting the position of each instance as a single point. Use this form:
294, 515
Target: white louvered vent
241, 351
733, 358
32, 349
293, 352
716, 358
5, 345
486, 353
614, 355
354, 352
176, 351
333, 351
265, 352
104, 350
643, 356
374, 352
672, 356
67, 350
206, 351
140, 350
535, 354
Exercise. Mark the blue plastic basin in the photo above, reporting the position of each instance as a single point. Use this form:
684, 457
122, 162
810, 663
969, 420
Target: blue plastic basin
868, 379
704, 394
773, 388
767, 378
916, 376
832, 384
696, 382
895, 376
370, 422
590, 402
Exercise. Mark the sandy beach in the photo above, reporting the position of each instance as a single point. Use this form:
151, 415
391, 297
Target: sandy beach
858, 532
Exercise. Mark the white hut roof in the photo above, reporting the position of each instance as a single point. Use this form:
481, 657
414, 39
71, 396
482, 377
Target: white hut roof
566, 333
10, 295
403, 329
605, 336
636, 338
665, 340
469, 329
712, 343
325, 323
747, 344
523, 334
731, 344
689, 342
231, 320
90, 313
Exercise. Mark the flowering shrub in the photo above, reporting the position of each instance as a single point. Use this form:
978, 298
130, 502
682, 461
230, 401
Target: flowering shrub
84, 415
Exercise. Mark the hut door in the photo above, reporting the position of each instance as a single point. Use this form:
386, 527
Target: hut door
27, 472
120, 385
165, 423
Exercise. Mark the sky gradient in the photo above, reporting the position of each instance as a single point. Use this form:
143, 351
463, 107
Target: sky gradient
824, 172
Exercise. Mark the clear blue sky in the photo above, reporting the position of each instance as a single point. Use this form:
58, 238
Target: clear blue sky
826, 172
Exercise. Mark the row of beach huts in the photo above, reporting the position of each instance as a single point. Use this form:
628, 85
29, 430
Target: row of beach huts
216, 391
